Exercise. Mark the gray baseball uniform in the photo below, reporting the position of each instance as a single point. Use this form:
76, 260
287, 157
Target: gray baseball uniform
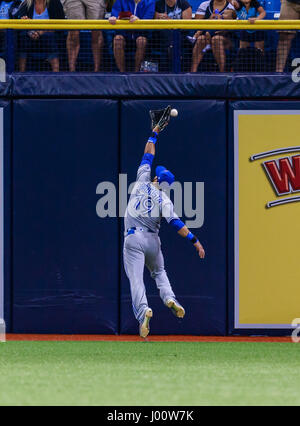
147, 205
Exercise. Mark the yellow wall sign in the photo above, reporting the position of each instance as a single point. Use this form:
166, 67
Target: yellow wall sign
267, 218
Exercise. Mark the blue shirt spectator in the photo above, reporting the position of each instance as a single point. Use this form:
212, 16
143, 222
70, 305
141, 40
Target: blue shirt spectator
250, 10
54, 8
132, 10
37, 40
144, 9
8, 9
247, 10
43, 15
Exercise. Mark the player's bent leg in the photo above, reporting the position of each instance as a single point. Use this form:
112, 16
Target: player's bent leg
163, 284
155, 264
134, 261
166, 292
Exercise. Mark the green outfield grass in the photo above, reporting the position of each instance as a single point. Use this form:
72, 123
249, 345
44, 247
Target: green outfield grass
120, 373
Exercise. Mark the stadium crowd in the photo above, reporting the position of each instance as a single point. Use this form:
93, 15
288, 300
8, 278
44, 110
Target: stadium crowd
199, 42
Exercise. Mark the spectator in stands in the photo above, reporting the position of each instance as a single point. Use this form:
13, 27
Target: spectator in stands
173, 9
170, 9
84, 9
132, 10
40, 40
251, 10
9, 8
220, 40
290, 9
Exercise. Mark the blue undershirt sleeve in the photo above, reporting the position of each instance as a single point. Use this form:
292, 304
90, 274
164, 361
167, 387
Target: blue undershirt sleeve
147, 159
177, 224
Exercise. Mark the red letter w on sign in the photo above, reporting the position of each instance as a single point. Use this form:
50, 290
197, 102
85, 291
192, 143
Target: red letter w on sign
284, 175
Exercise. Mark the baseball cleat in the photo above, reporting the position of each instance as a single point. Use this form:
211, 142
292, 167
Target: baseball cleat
144, 326
176, 308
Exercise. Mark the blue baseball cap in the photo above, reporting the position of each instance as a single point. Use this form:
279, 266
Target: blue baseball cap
164, 175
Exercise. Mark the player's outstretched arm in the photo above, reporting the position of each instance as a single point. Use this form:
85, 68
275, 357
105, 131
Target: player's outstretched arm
160, 120
185, 233
149, 151
150, 145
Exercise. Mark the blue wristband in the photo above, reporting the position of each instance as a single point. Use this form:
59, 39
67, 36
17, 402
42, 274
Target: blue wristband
153, 138
192, 237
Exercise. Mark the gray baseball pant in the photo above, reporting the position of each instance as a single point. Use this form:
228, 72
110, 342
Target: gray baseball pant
140, 249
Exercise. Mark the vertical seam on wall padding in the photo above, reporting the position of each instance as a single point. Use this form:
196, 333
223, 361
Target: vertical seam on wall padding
119, 219
230, 217
227, 216
11, 199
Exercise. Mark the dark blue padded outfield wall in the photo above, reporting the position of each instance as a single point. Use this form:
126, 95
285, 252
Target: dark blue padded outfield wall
63, 135
5, 106
65, 259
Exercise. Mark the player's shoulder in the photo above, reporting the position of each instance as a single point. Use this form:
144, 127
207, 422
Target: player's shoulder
144, 168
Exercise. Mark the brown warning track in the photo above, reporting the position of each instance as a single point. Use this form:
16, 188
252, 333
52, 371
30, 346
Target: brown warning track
130, 338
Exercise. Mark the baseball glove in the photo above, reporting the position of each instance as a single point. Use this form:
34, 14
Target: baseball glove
160, 118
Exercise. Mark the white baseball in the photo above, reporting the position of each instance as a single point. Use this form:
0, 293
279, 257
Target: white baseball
174, 112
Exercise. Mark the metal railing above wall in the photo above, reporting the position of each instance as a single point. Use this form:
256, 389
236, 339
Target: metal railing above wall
170, 45
148, 24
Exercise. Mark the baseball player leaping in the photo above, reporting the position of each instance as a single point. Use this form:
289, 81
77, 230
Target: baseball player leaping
148, 203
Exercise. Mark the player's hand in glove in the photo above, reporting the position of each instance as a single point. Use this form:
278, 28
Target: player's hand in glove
200, 249
160, 118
